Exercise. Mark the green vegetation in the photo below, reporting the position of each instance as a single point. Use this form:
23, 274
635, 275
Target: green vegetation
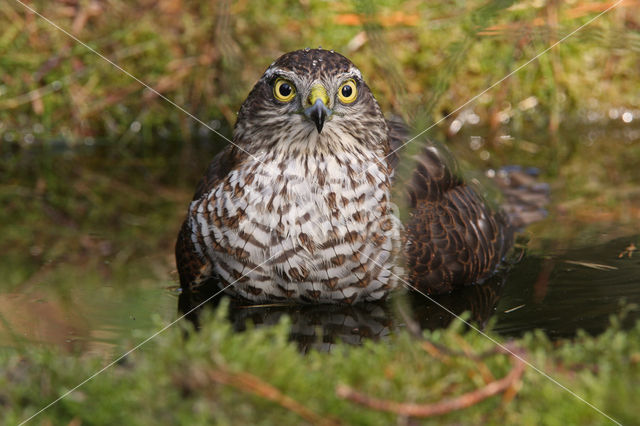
421, 59
96, 173
220, 376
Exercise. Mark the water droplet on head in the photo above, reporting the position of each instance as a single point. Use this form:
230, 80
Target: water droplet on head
319, 47
332, 51
306, 49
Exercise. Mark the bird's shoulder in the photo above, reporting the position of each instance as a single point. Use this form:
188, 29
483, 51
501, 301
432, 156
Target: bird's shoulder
221, 165
436, 174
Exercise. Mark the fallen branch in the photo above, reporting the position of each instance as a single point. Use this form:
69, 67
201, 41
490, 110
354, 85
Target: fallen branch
441, 407
252, 384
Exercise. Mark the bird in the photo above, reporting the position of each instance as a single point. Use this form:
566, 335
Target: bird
298, 209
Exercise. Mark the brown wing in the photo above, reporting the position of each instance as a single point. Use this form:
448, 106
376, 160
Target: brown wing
218, 169
453, 237
191, 267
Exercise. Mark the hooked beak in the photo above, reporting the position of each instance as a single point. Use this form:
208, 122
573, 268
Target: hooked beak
318, 111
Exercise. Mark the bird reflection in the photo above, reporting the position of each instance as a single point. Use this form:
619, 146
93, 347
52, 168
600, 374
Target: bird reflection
319, 327
440, 310
316, 327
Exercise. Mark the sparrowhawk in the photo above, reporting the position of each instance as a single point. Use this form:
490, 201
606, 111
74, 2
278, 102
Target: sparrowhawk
298, 208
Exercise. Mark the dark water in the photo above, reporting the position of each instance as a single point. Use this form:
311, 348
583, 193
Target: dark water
559, 294
578, 289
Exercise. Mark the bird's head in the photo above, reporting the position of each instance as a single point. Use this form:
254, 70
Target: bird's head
307, 99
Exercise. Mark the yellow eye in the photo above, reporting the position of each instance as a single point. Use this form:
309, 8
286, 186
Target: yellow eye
348, 92
284, 90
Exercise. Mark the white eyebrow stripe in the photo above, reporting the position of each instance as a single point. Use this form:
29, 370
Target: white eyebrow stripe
279, 71
354, 72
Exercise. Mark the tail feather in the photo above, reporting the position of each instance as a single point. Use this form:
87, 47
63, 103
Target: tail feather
525, 197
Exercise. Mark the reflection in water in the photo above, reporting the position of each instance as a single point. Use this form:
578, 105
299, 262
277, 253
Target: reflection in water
30, 317
320, 326
577, 289
479, 300
312, 326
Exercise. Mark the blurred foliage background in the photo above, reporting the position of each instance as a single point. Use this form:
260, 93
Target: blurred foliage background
421, 59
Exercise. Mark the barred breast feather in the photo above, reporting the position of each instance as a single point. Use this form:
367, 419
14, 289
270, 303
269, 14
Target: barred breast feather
314, 228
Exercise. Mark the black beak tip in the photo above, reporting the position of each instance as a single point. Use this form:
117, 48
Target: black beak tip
318, 113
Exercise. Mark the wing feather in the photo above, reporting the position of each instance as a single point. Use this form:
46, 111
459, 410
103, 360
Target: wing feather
454, 237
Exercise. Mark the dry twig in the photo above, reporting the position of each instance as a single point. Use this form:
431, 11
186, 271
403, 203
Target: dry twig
441, 407
252, 384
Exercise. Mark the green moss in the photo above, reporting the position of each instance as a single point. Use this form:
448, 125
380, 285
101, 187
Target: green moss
169, 379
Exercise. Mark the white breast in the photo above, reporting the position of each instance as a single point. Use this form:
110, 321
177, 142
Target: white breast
317, 229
